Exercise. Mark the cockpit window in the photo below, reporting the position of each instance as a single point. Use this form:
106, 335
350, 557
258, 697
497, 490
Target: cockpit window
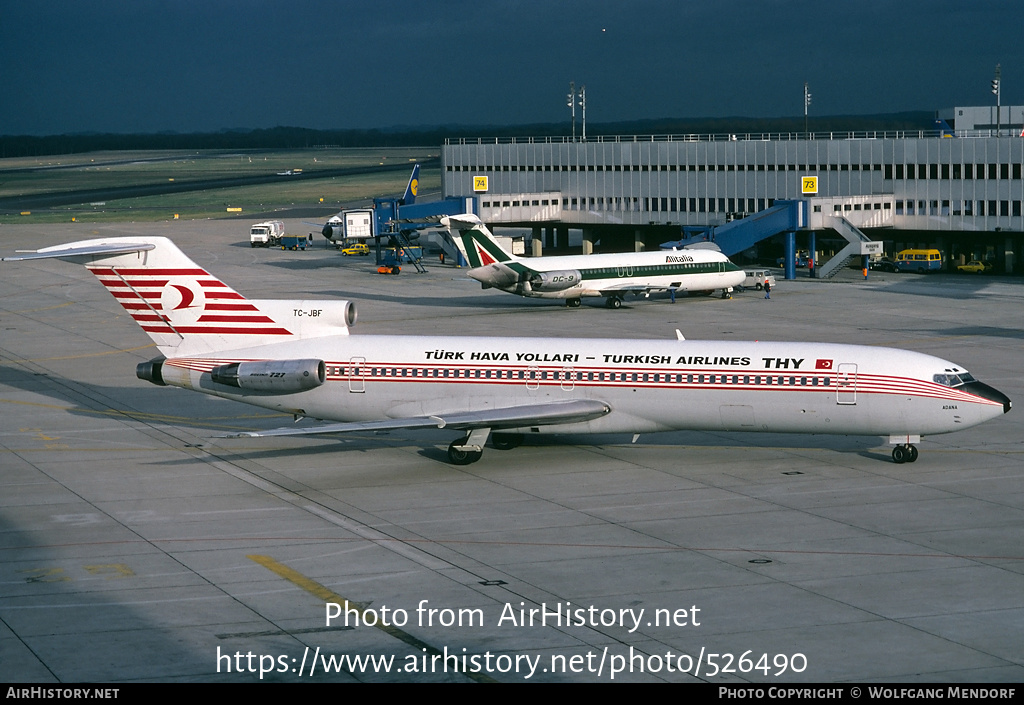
951, 380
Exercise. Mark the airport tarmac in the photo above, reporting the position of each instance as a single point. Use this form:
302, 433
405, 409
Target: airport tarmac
138, 548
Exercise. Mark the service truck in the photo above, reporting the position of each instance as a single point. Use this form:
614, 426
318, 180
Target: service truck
266, 234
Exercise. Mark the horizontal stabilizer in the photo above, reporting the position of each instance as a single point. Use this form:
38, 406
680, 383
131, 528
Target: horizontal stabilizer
76, 250
561, 412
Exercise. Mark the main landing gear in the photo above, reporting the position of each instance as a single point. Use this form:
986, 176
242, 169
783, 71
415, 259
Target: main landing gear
613, 302
469, 449
458, 454
573, 303
905, 453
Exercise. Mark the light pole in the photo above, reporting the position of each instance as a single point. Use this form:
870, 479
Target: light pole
997, 90
583, 105
807, 104
572, 106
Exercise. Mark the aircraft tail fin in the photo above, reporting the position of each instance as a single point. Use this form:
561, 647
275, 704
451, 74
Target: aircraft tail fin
186, 310
414, 186
475, 241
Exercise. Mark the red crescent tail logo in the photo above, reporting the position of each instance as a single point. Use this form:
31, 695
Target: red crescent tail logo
186, 296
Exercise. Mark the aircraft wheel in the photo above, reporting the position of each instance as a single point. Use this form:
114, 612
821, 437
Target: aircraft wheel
912, 457
573, 303
614, 302
462, 457
899, 455
506, 441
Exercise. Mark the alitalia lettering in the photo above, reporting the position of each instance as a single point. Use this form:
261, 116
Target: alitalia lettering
678, 258
782, 363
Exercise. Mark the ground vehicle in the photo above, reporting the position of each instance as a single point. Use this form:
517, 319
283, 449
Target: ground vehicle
266, 234
757, 278
296, 242
919, 261
800, 259
883, 264
356, 248
974, 267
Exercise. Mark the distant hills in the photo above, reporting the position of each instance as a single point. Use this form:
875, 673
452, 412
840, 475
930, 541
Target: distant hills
403, 136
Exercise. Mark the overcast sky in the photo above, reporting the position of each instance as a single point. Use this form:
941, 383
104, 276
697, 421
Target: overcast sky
204, 65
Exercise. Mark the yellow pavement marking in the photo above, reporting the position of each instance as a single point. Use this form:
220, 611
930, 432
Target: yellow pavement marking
327, 595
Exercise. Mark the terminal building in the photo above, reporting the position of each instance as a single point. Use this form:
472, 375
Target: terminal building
960, 190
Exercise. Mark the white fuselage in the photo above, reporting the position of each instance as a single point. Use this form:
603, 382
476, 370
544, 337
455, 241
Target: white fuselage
576, 276
650, 385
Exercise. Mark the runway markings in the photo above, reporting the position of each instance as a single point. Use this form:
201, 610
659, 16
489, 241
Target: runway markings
323, 593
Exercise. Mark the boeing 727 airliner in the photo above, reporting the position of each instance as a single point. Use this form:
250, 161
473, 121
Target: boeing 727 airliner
298, 357
571, 278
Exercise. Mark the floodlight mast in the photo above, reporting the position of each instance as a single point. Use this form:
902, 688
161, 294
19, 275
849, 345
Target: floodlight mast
997, 90
572, 106
583, 105
807, 103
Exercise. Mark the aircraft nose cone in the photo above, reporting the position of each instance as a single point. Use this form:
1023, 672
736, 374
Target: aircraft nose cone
986, 392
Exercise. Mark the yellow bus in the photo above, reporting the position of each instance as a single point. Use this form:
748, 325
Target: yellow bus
920, 261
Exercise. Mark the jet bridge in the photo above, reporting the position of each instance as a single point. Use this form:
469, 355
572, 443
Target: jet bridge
804, 214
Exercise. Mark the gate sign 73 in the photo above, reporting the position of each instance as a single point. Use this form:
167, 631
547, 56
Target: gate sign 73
809, 185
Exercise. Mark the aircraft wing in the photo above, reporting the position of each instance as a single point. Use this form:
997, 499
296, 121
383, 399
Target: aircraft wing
559, 412
631, 288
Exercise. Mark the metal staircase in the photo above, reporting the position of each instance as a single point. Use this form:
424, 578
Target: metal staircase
855, 248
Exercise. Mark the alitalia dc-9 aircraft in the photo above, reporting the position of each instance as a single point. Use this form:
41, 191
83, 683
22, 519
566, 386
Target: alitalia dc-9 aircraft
574, 277
299, 357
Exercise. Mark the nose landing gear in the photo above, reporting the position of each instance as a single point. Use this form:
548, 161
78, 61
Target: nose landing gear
905, 453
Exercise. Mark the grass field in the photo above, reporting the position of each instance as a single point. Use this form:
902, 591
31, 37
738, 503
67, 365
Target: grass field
115, 170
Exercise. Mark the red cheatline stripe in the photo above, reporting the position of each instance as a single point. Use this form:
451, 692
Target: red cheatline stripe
225, 329
224, 295
211, 306
212, 282
210, 318
135, 294
156, 283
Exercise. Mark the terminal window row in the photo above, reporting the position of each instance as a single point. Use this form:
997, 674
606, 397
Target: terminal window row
667, 205
954, 171
676, 167
956, 207
897, 171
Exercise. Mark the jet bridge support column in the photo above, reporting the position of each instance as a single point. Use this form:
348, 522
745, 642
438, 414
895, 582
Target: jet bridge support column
588, 241
812, 254
789, 261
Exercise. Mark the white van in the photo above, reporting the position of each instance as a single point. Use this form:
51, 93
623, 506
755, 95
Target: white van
756, 278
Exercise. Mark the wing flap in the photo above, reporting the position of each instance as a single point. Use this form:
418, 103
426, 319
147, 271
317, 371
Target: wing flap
553, 413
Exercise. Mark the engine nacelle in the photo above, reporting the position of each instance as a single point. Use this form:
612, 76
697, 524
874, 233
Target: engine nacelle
152, 371
555, 281
273, 376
